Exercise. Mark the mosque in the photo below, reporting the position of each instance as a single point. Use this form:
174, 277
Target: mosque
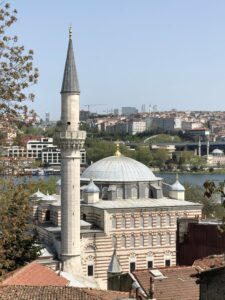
117, 216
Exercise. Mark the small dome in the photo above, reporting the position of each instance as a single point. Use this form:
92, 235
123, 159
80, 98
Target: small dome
177, 186
38, 194
118, 169
49, 198
91, 188
217, 151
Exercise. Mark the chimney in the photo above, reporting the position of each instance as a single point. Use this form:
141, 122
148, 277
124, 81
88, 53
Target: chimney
152, 288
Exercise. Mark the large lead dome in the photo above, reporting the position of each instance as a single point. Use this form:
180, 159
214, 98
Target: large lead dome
118, 169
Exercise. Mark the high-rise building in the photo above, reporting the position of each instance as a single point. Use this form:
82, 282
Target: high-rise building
47, 117
127, 111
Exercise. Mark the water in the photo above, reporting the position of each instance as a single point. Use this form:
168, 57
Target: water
191, 178
26, 179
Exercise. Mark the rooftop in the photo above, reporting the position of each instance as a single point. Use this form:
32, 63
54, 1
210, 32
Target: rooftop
210, 262
175, 283
59, 293
142, 203
118, 168
34, 274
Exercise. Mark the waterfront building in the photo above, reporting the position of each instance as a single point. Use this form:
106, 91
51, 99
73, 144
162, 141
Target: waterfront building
118, 203
43, 150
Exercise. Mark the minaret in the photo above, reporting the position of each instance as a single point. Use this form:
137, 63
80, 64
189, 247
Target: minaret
70, 140
207, 148
199, 147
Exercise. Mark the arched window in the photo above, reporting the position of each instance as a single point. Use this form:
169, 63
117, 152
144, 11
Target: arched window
168, 241
119, 193
132, 241
167, 220
48, 215
141, 240
149, 221
84, 217
150, 240
134, 193
146, 192
141, 221
123, 241
113, 222
158, 221
123, 222
132, 222
114, 242
159, 239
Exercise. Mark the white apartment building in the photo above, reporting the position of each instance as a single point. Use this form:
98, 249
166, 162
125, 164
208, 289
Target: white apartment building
135, 127
43, 150
167, 124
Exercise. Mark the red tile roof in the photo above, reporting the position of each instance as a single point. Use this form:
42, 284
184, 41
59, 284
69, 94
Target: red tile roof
177, 283
34, 274
57, 293
209, 262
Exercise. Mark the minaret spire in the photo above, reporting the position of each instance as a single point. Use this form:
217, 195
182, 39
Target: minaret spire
70, 140
70, 32
70, 80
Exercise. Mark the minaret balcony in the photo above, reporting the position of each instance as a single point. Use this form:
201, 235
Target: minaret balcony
71, 139
73, 135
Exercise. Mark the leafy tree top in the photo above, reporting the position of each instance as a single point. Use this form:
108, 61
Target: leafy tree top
17, 72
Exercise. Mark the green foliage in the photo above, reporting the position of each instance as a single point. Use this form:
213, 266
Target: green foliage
98, 149
32, 130
160, 157
211, 208
190, 158
16, 69
143, 155
45, 186
18, 237
164, 138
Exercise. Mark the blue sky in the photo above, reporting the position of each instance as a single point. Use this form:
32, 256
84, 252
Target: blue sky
128, 52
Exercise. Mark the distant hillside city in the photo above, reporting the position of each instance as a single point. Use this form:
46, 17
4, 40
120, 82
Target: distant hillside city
167, 140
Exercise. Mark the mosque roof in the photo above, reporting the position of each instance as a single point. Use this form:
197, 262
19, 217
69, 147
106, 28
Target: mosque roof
217, 151
177, 186
70, 80
145, 203
118, 168
49, 198
38, 194
91, 188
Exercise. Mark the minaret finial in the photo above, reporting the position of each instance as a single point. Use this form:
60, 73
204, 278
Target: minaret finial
177, 177
70, 32
117, 153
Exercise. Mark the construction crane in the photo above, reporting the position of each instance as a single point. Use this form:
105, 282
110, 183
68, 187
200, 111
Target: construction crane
89, 105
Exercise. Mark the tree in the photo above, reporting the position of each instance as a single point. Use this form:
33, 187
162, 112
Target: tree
17, 72
211, 208
98, 149
160, 156
18, 237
